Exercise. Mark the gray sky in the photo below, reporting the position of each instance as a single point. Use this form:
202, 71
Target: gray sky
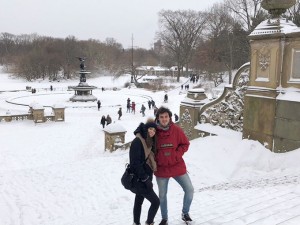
97, 19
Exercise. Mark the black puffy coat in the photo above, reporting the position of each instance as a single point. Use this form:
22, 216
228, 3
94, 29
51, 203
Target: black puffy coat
138, 163
103, 120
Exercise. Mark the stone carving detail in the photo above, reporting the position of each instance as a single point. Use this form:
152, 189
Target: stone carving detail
187, 123
227, 111
264, 58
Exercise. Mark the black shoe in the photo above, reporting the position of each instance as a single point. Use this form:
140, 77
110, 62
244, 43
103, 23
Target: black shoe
163, 222
186, 217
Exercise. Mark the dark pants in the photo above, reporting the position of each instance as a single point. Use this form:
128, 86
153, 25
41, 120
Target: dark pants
138, 202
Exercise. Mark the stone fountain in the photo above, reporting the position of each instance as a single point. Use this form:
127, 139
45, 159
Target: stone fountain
83, 91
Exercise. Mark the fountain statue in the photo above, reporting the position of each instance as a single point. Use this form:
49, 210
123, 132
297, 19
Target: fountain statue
83, 91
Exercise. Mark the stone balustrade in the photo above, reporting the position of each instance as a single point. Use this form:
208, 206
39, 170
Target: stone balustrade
36, 113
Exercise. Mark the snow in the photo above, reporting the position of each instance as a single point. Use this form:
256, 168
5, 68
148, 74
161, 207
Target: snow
275, 25
37, 106
58, 106
196, 90
262, 79
154, 68
289, 96
259, 96
114, 128
58, 173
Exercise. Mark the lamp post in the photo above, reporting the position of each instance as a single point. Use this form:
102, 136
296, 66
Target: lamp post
132, 66
133, 79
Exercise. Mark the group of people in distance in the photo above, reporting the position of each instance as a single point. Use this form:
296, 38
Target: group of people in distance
158, 149
130, 108
106, 120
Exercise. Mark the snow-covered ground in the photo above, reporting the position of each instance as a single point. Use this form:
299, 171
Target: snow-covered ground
57, 173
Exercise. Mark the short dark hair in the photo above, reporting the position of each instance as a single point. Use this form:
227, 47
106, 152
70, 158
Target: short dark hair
162, 110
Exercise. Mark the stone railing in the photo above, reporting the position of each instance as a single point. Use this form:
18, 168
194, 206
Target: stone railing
49, 118
122, 146
227, 110
37, 115
10, 118
28, 88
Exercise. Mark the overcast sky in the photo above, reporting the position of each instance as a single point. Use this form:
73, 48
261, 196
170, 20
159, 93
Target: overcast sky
97, 19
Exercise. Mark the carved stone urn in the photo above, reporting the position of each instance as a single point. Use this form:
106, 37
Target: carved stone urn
277, 7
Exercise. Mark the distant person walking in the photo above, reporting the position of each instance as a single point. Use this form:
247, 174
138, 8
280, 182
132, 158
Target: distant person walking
51, 88
166, 98
120, 113
128, 107
176, 117
108, 120
149, 104
98, 104
103, 120
143, 110
133, 107
152, 103
128, 101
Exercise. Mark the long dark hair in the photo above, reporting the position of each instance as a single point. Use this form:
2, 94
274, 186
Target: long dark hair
150, 141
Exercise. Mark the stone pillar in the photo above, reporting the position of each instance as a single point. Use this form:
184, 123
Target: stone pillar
114, 137
59, 113
38, 113
8, 117
275, 54
30, 116
189, 111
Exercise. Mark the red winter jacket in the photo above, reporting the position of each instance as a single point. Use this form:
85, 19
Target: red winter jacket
171, 144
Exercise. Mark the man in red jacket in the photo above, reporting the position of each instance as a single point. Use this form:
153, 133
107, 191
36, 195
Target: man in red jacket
171, 144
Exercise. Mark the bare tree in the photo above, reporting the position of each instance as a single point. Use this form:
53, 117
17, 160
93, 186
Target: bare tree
220, 33
245, 10
33, 56
7, 41
225, 46
180, 31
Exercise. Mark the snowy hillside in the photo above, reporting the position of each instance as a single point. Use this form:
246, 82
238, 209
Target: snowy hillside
57, 173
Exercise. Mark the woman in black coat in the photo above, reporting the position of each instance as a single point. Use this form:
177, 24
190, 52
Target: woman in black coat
143, 164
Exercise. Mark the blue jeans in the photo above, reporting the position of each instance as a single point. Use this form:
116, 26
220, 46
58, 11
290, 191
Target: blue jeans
185, 183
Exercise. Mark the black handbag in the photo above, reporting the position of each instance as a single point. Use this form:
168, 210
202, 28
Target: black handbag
127, 178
